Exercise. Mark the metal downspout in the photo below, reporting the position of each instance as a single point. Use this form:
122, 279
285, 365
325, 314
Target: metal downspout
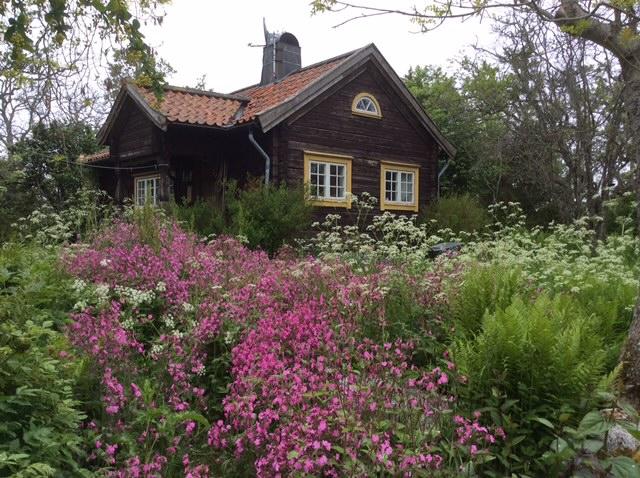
444, 168
267, 159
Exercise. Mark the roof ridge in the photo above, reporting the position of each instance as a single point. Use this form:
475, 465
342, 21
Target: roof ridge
197, 91
308, 67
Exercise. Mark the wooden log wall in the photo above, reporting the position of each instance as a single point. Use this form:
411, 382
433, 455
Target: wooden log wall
331, 127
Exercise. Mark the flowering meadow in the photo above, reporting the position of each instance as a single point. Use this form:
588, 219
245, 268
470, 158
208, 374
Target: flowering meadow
356, 354
216, 359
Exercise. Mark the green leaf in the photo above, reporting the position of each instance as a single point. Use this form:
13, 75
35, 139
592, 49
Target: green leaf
544, 421
593, 423
622, 467
593, 445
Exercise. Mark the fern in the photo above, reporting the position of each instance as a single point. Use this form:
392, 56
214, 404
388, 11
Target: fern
545, 349
483, 289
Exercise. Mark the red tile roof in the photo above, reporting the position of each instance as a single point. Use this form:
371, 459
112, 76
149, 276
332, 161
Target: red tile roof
92, 158
263, 98
189, 106
198, 107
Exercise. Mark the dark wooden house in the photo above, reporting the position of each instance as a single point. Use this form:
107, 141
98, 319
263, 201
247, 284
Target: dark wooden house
344, 126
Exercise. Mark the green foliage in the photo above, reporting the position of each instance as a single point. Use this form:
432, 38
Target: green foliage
468, 106
202, 217
39, 417
33, 31
47, 160
460, 212
271, 216
41, 171
411, 319
620, 214
583, 449
543, 351
484, 289
532, 365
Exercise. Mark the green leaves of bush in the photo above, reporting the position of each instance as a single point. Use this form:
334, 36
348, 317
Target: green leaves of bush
39, 418
270, 216
544, 345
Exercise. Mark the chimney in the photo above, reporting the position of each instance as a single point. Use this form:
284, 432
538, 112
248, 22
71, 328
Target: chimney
280, 56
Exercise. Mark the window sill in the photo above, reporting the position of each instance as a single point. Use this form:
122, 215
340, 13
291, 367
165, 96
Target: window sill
342, 203
366, 115
386, 206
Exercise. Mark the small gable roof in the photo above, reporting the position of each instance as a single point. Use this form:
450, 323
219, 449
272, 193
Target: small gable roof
267, 105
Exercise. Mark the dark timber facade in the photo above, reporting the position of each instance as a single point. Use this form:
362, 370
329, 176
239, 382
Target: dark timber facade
344, 126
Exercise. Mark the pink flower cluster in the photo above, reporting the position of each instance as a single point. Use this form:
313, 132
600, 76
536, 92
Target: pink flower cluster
309, 393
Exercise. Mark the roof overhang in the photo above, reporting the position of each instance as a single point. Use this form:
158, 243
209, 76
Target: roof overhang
274, 116
129, 90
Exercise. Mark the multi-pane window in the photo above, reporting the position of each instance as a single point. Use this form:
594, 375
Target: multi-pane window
147, 190
327, 180
399, 186
366, 104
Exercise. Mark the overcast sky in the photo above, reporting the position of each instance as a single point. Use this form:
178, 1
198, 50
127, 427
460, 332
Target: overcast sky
211, 37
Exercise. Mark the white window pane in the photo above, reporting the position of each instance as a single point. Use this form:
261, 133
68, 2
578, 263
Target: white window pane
399, 186
367, 105
327, 180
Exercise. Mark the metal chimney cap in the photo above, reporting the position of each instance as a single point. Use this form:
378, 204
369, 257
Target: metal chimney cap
289, 38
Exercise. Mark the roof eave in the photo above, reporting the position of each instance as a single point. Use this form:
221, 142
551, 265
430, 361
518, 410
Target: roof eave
130, 90
272, 117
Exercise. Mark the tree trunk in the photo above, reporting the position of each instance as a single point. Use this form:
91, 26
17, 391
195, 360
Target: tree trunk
630, 359
630, 356
631, 96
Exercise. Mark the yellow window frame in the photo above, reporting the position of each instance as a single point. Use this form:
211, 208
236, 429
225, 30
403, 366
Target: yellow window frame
329, 158
368, 114
386, 166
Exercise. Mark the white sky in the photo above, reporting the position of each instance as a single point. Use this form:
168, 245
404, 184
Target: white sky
211, 37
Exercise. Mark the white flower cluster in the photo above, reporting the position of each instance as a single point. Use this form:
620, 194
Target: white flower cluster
557, 257
79, 286
90, 294
187, 307
135, 297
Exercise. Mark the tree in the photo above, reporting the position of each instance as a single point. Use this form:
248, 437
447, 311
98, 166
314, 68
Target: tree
612, 26
569, 148
50, 53
42, 170
470, 107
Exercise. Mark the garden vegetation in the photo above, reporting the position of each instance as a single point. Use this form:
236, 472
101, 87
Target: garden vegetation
132, 347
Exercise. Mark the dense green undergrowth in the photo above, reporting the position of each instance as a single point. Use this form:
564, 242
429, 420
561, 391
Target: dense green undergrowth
531, 320
40, 417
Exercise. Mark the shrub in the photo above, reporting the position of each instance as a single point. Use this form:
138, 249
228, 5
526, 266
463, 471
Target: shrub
203, 217
458, 213
39, 417
271, 216
532, 364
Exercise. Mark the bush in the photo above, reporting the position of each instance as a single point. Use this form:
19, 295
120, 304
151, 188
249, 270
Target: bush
458, 213
202, 217
484, 288
547, 346
271, 216
39, 418
532, 365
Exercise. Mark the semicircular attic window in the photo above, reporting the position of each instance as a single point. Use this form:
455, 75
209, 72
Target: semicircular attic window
366, 104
